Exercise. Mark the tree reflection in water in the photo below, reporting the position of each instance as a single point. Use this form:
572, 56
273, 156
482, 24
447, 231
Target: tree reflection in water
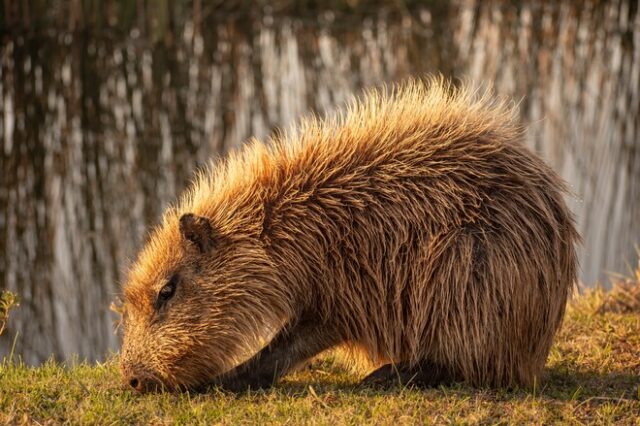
103, 122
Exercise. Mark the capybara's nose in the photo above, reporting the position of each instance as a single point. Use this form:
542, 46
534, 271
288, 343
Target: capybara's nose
138, 378
140, 383
135, 384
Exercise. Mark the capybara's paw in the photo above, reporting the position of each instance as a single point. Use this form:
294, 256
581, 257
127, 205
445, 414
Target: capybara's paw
384, 377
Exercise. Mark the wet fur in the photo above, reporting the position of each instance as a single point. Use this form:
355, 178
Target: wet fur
414, 228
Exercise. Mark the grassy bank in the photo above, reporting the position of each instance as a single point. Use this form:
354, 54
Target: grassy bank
593, 376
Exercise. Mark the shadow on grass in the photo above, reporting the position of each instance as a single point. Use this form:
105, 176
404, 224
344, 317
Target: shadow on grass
558, 384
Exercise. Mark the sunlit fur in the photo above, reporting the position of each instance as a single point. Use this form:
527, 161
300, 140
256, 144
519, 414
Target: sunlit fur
415, 223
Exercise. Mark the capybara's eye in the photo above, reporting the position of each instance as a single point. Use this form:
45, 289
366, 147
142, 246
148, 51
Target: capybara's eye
167, 291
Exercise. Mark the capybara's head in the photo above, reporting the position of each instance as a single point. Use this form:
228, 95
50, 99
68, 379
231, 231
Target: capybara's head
190, 304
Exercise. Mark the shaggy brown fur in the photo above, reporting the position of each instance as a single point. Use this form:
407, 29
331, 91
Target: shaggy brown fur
414, 228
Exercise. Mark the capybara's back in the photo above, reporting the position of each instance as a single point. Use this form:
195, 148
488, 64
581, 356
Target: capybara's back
415, 228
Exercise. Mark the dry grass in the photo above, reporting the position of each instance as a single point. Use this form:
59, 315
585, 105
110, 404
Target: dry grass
8, 301
624, 296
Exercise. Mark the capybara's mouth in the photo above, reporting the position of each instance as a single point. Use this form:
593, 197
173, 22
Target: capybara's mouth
152, 384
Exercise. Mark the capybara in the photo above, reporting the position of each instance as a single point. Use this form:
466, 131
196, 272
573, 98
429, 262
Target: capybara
414, 228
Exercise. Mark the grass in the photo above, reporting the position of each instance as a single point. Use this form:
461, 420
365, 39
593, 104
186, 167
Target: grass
592, 376
8, 301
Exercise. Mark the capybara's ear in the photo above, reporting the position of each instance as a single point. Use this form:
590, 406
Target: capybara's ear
198, 230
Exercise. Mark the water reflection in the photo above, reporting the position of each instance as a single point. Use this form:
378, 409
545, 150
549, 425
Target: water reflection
100, 131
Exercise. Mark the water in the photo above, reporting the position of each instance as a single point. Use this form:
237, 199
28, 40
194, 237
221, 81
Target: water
99, 130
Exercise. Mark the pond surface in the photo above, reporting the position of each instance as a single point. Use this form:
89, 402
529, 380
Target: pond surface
101, 128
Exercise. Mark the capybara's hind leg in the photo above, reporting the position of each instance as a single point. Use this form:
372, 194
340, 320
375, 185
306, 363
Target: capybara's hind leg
289, 348
425, 374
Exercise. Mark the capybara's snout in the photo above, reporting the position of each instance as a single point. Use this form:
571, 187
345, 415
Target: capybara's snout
139, 379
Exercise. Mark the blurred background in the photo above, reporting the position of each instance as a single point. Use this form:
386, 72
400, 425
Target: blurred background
108, 106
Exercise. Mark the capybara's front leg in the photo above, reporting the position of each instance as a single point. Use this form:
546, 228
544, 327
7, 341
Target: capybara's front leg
426, 374
288, 349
